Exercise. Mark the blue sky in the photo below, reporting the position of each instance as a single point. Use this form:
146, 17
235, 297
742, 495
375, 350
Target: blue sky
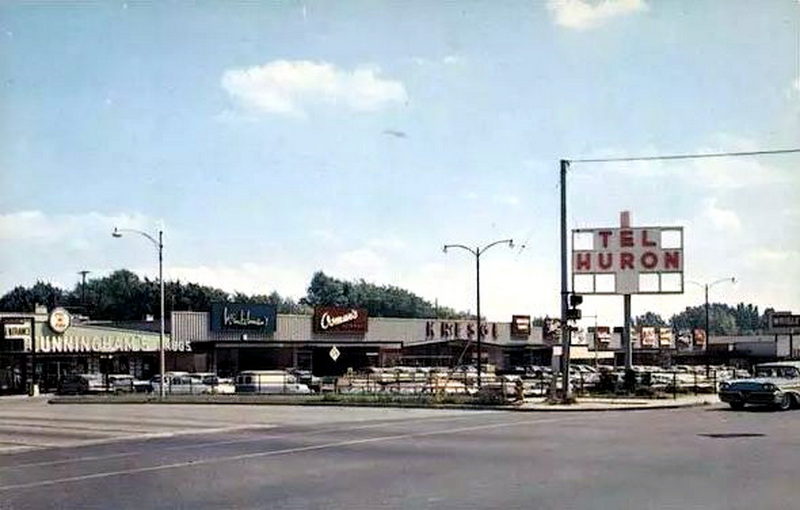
274, 139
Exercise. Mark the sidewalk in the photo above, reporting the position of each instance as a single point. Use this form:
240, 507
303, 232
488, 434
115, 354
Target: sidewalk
537, 404
618, 404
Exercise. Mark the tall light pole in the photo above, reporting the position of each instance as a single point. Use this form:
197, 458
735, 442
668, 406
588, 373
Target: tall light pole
83, 288
707, 286
159, 244
478, 251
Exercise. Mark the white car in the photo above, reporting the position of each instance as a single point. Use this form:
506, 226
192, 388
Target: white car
219, 385
180, 383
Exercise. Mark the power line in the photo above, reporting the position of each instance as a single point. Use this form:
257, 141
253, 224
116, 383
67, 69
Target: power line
685, 156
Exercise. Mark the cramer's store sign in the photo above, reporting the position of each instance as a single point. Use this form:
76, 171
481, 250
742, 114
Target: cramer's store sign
328, 319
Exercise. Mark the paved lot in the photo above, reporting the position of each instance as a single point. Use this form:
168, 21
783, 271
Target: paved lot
337, 458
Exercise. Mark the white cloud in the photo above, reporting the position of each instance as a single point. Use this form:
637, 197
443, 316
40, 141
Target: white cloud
60, 229
290, 87
35, 245
722, 219
247, 277
510, 200
447, 60
583, 14
391, 243
769, 255
361, 263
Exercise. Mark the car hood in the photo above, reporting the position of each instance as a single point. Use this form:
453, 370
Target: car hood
758, 380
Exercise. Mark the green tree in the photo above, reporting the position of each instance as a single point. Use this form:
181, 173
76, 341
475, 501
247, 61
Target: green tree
22, 299
650, 319
379, 300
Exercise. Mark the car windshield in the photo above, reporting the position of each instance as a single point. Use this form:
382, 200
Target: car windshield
780, 372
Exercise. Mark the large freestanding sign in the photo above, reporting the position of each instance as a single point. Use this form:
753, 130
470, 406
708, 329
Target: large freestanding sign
328, 319
243, 317
645, 260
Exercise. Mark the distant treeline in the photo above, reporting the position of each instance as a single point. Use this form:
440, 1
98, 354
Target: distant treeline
122, 295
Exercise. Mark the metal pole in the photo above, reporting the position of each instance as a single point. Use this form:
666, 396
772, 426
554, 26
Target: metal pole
478, 305
626, 333
708, 333
565, 333
161, 335
83, 288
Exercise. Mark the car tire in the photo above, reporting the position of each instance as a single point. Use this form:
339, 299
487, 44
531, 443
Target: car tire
737, 406
786, 402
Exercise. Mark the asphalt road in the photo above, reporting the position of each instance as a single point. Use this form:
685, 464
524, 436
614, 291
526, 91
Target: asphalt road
338, 458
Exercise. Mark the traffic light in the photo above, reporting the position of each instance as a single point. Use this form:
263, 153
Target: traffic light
573, 313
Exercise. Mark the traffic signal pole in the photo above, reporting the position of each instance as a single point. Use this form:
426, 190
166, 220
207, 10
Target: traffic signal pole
565, 331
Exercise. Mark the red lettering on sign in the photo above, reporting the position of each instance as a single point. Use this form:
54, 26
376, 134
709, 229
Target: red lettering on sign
649, 260
604, 260
626, 260
672, 260
626, 239
583, 261
605, 234
646, 241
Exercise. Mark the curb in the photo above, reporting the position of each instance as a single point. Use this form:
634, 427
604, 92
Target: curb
535, 408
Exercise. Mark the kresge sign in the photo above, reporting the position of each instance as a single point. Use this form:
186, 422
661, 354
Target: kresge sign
243, 317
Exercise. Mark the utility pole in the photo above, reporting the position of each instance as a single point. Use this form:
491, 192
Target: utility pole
83, 288
565, 331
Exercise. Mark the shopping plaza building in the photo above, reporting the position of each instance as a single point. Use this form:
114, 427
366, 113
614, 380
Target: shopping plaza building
230, 337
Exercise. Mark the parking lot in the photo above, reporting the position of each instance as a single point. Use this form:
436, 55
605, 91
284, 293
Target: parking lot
287, 457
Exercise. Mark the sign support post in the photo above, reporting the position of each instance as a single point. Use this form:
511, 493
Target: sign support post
626, 333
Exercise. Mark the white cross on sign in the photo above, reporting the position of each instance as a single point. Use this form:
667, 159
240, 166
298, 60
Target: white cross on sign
334, 353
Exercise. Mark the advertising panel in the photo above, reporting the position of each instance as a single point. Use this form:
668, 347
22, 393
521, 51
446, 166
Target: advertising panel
645, 260
603, 335
784, 322
664, 337
551, 331
520, 325
329, 319
648, 336
699, 337
243, 317
16, 334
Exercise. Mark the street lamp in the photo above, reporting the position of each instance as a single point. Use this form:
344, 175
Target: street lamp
159, 244
707, 286
478, 251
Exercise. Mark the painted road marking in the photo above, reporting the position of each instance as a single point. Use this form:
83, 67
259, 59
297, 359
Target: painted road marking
222, 443
269, 453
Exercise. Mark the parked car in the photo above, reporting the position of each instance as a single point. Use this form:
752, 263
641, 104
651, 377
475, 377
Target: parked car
306, 377
80, 384
126, 383
773, 384
269, 381
180, 383
218, 385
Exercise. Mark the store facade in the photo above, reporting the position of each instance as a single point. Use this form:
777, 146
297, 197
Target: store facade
235, 337
44, 347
